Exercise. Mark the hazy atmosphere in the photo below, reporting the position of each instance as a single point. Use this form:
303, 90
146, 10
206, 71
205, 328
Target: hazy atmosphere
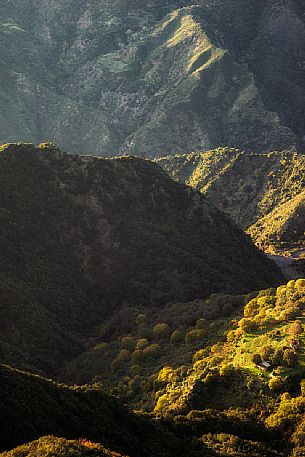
152, 228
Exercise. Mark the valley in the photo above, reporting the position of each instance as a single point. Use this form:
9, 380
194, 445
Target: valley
152, 228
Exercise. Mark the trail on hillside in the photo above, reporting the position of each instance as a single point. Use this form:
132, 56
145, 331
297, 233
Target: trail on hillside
286, 263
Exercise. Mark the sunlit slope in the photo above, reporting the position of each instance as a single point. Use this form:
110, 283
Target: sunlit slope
154, 78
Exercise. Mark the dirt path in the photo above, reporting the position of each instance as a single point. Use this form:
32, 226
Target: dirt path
285, 264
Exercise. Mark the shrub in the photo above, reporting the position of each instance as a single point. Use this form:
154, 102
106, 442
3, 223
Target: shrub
247, 325
266, 352
135, 370
201, 354
117, 364
193, 336
256, 359
201, 323
166, 375
277, 357
300, 284
145, 332
296, 328
152, 351
137, 357
290, 358
161, 331
177, 337
142, 343
125, 355
127, 343
275, 383
141, 320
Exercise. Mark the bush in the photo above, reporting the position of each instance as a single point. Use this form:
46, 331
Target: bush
201, 323
145, 332
177, 337
127, 343
290, 358
166, 375
247, 325
141, 320
193, 336
275, 383
160, 331
137, 357
125, 355
296, 328
277, 357
152, 351
266, 352
256, 359
300, 284
142, 343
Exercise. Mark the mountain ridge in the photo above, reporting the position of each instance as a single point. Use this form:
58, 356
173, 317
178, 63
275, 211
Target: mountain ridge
84, 236
153, 79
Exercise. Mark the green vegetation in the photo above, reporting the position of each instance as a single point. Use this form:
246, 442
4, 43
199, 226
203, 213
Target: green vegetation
50, 446
116, 277
152, 78
32, 407
263, 193
84, 238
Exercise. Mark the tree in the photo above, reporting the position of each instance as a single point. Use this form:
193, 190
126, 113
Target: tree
277, 357
142, 343
296, 328
201, 323
247, 325
290, 358
152, 351
256, 358
127, 343
177, 337
193, 336
267, 352
275, 383
161, 331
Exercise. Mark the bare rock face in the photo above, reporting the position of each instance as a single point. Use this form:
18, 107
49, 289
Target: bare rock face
153, 78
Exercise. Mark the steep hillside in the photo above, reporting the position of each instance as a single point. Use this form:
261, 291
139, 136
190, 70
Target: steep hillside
60, 447
282, 226
153, 78
263, 190
32, 407
83, 237
253, 377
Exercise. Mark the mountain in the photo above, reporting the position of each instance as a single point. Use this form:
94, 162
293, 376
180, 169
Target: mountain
32, 407
243, 396
61, 447
260, 190
254, 377
82, 238
153, 78
283, 226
